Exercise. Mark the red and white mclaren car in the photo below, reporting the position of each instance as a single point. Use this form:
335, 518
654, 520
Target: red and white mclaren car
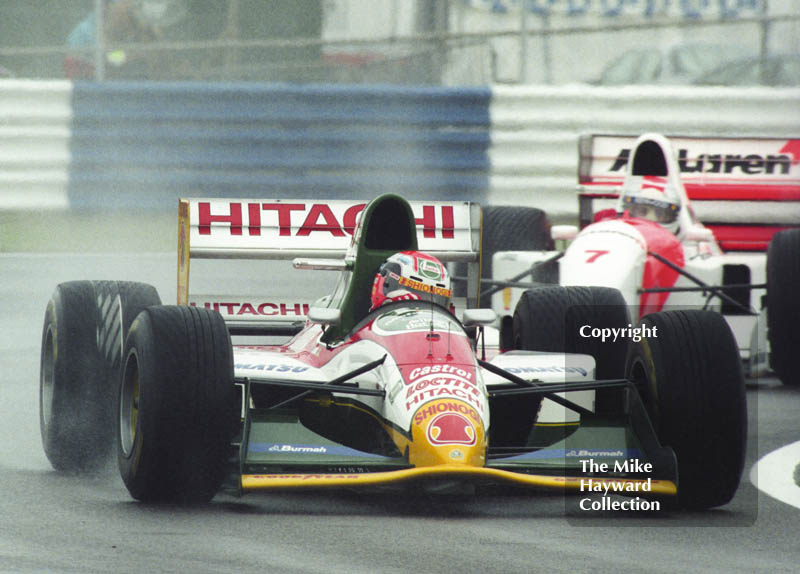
651, 244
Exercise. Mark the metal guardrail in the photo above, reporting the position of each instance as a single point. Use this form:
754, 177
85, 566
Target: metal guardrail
535, 129
145, 144
123, 145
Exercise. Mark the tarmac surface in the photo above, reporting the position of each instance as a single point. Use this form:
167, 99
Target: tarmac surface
53, 522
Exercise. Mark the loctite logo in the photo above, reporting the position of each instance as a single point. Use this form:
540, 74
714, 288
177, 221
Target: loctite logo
729, 163
301, 219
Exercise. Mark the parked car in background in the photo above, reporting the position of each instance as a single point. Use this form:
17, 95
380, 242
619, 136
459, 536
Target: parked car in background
775, 70
672, 64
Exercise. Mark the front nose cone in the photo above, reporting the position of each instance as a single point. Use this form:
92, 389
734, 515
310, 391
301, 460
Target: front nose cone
447, 432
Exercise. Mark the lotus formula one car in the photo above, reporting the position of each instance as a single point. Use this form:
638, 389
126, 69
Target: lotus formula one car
386, 381
651, 245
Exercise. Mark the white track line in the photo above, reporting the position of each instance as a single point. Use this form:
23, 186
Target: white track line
774, 474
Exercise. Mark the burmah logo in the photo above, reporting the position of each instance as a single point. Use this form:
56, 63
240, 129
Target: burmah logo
451, 428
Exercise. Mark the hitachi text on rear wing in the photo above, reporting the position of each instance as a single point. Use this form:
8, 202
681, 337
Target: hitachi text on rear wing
744, 189
314, 234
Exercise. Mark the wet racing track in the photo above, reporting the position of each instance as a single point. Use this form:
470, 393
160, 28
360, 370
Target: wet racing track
56, 523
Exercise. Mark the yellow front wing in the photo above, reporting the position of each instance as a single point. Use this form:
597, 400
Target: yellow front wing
252, 482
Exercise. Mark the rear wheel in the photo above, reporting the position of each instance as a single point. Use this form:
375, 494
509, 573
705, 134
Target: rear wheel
690, 379
783, 305
512, 228
176, 405
80, 364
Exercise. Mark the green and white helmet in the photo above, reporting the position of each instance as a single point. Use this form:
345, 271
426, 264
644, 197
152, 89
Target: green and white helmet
410, 276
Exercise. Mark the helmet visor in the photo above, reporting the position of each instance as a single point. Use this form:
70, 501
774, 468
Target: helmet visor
653, 209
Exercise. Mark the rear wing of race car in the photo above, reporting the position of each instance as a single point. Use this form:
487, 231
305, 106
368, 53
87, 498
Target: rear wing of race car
744, 189
313, 233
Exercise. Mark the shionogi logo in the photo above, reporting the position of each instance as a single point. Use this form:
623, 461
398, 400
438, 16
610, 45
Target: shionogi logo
451, 428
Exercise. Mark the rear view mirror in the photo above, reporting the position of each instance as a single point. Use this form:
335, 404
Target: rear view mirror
474, 317
324, 316
563, 232
697, 233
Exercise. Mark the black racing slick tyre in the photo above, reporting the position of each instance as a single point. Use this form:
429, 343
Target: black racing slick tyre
783, 305
513, 228
690, 378
84, 326
550, 319
176, 405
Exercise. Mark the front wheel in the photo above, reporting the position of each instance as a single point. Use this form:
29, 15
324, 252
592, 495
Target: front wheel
690, 379
176, 405
783, 305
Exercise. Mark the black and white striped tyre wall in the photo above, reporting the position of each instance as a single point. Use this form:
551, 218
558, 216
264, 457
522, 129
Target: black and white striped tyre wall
84, 329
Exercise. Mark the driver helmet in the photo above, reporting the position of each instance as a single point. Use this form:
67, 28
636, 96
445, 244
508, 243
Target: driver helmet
411, 276
653, 201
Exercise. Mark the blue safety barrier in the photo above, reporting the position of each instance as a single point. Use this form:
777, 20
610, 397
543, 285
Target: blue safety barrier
146, 144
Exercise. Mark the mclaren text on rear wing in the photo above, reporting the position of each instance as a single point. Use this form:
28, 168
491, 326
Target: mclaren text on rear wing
745, 189
294, 229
